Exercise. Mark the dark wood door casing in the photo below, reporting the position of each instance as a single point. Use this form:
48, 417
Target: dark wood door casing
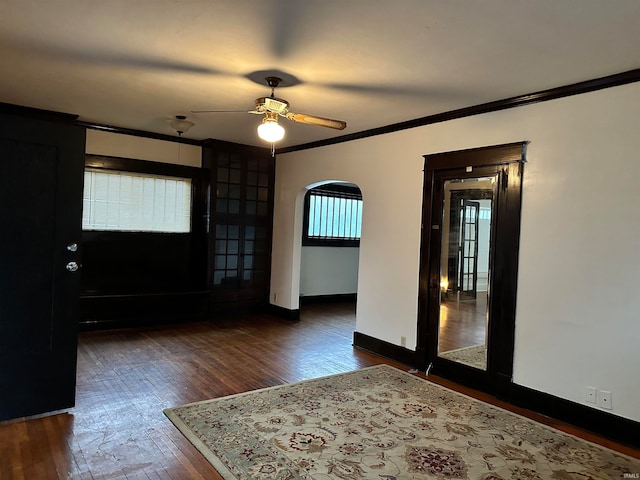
507, 162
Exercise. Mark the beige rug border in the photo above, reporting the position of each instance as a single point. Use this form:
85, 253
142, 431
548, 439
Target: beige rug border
463, 348
228, 475
212, 458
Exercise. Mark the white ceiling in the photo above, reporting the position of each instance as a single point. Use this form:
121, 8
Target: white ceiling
137, 63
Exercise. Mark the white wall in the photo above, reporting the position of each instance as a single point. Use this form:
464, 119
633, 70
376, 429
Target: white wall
328, 270
128, 146
578, 306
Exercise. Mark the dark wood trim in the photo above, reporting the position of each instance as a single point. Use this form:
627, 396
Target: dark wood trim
141, 166
422, 341
339, 188
10, 109
324, 299
384, 349
494, 384
609, 81
99, 312
328, 242
477, 157
92, 296
139, 133
193, 304
200, 225
287, 314
505, 271
617, 428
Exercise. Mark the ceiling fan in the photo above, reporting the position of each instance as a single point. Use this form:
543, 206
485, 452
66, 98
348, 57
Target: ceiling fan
273, 107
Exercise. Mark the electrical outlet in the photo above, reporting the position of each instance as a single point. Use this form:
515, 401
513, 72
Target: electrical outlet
403, 341
591, 395
604, 399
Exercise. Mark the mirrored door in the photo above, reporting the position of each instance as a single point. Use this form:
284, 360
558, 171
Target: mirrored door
464, 269
469, 260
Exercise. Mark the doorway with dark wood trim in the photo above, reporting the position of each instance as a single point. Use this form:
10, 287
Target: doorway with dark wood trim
463, 311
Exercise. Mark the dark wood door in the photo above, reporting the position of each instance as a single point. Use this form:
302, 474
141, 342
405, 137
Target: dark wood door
469, 248
41, 171
242, 215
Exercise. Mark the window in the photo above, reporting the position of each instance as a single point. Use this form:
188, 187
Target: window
135, 202
333, 216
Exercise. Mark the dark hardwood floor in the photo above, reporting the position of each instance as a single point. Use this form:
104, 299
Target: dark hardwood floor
127, 377
463, 323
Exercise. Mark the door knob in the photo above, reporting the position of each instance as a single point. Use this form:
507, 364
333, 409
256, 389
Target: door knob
72, 247
72, 266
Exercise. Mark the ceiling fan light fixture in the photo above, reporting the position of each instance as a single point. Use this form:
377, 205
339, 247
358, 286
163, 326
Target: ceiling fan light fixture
181, 125
270, 130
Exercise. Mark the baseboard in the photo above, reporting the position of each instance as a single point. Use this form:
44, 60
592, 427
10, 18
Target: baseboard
135, 310
606, 424
384, 349
145, 309
333, 298
287, 314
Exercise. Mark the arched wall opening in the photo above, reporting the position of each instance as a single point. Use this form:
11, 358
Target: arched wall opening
389, 257
322, 271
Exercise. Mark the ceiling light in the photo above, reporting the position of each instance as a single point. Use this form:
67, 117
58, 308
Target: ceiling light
269, 130
181, 125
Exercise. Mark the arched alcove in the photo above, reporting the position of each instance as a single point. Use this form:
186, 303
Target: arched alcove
323, 270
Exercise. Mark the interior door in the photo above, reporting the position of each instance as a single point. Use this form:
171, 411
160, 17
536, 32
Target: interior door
470, 338
469, 248
41, 171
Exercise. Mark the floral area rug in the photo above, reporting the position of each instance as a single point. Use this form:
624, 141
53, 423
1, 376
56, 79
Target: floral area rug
475, 356
382, 423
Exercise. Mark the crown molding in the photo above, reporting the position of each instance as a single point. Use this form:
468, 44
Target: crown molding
587, 86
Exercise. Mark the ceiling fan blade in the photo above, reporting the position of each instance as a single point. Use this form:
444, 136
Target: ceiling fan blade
319, 121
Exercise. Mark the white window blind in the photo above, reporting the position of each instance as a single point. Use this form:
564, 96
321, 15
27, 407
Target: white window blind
132, 202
